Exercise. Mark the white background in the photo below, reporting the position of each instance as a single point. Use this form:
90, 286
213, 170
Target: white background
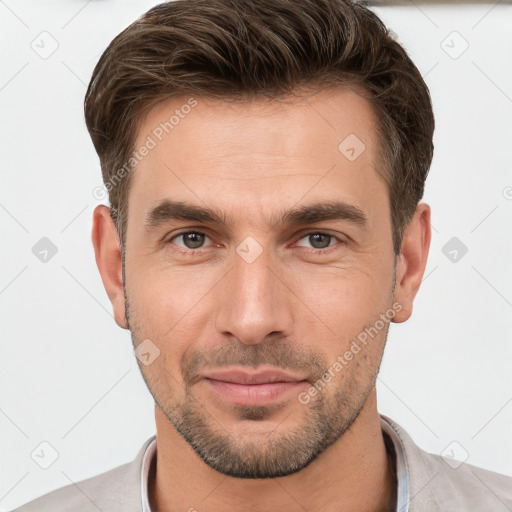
67, 372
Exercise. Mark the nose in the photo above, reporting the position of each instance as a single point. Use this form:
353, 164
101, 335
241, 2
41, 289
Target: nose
254, 301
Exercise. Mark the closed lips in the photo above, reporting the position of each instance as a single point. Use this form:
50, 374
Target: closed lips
238, 377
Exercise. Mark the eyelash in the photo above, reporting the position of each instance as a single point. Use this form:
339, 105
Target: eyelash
192, 252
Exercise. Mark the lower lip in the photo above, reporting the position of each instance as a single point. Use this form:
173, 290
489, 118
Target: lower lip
254, 394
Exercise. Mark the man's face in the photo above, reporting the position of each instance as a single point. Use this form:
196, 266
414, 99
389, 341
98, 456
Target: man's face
260, 292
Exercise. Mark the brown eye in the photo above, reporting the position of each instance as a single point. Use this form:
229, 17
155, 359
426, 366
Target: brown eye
318, 240
190, 239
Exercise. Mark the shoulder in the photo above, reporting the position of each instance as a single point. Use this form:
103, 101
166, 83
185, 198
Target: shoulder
436, 483
468, 487
84, 496
114, 490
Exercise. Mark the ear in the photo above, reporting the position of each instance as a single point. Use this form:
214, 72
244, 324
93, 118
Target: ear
412, 261
105, 240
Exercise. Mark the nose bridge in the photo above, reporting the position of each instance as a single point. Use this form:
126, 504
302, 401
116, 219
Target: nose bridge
254, 301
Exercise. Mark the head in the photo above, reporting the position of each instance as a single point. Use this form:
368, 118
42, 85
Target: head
264, 161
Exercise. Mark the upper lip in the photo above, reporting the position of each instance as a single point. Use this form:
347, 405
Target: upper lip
243, 377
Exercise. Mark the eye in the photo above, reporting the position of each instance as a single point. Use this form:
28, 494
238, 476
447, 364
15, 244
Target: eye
191, 240
319, 241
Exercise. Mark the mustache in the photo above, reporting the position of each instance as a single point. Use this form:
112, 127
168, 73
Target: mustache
282, 355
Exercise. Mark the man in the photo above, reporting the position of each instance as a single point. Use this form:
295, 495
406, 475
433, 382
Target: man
265, 162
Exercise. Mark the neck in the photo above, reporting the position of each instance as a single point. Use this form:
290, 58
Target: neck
352, 474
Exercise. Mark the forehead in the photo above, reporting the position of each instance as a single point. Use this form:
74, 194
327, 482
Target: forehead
259, 152
327, 115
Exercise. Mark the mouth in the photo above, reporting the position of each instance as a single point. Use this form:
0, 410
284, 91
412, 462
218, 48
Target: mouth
252, 389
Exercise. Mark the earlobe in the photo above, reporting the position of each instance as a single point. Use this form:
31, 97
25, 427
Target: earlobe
108, 259
412, 261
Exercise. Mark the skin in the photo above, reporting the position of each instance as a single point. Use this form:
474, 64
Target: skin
293, 308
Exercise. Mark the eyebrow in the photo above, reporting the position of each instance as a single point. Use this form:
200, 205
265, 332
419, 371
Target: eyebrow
167, 211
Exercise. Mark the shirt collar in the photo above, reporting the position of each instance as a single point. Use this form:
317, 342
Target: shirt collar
402, 473
147, 460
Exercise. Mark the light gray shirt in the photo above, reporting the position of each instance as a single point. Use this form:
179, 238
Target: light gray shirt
427, 482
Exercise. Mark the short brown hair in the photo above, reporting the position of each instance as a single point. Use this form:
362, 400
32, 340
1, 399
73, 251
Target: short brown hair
236, 49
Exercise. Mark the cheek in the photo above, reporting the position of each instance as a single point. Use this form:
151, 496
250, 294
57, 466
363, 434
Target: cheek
166, 299
173, 342
344, 297
165, 309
